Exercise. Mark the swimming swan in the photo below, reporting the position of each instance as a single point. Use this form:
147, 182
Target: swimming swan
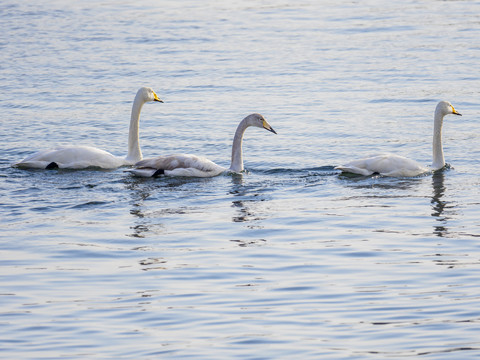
196, 166
80, 157
395, 165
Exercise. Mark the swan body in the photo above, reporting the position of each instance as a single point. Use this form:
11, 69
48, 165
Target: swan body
178, 165
80, 157
399, 166
384, 164
71, 157
197, 166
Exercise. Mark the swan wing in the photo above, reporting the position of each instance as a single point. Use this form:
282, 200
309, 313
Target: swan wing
177, 165
71, 157
384, 164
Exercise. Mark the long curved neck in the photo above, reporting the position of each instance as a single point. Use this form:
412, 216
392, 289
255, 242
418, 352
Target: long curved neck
134, 152
237, 159
438, 158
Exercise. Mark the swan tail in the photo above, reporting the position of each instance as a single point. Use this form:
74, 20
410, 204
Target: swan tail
354, 170
32, 165
146, 172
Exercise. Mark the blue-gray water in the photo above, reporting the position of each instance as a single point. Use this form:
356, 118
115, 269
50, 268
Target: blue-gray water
288, 261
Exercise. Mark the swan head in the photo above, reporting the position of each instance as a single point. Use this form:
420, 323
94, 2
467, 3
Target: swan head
445, 108
147, 94
259, 121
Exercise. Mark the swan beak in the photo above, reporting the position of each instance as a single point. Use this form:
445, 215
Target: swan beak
267, 126
455, 111
156, 98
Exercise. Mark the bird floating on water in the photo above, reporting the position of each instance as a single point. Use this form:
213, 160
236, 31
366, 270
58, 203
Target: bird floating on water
196, 166
395, 165
80, 157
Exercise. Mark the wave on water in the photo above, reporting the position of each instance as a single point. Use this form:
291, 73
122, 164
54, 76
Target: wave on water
320, 170
397, 100
90, 204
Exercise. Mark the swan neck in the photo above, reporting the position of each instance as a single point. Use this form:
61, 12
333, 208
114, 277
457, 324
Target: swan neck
134, 152
438, 158
237, 157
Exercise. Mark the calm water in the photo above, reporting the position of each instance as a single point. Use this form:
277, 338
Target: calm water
290, 260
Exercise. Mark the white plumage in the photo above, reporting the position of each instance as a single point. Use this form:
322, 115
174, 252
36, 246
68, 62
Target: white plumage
80, 157
384, 164
197, 166
178, 165
395, 165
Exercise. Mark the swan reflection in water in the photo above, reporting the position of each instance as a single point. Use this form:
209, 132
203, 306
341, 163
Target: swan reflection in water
244, 196
150, 221
438, 204
243, 213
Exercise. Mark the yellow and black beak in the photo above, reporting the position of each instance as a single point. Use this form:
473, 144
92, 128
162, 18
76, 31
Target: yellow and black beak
267, 126
455, 111
156, 98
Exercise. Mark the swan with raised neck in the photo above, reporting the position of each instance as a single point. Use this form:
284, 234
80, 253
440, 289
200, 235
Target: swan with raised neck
443, 108
80, 157
395, 165
197, 166
143, 95
236, 164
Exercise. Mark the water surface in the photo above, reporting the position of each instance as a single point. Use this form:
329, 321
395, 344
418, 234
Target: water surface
290, 259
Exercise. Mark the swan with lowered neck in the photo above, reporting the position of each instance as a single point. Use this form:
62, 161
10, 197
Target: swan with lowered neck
80, 157
395, 165
196, 166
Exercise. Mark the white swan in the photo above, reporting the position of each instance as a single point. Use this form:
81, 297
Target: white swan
80, 157
395, 165
196, 166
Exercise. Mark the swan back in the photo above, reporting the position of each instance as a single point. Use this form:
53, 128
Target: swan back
71, 157
384, 164
177, 165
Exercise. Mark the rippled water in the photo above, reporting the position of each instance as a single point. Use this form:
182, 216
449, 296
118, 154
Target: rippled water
291, 259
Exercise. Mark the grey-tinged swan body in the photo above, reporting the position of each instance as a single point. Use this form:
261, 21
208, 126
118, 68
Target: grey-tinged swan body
80, 157
399, 166
197, 166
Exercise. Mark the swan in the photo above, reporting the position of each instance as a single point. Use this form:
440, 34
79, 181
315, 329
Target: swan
197, 166
395, 165
80, 157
